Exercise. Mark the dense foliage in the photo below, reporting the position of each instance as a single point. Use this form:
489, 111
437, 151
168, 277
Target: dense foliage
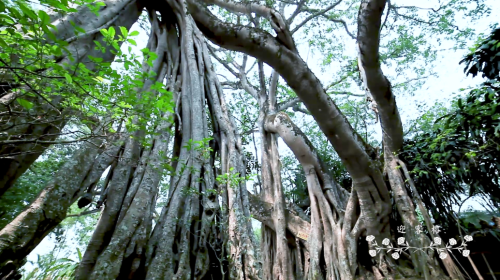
458, 157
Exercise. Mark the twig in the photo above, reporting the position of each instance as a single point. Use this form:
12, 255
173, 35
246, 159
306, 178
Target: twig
83, 213
316, 14
34, 90
387, 15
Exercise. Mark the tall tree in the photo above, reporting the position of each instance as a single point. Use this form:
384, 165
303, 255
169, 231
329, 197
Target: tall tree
204, 229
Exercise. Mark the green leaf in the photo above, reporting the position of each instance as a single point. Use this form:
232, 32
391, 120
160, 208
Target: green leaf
99, 79
27, 11
111, 32
79, 254
133, 33
95, 59
25, 103
3, 44
68, 78
49, 33
7, 18
124, 31
79, 29
132, 42
44, 17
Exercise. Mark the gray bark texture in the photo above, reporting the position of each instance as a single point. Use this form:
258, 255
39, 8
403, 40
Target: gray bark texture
194, 238
196, 235
27, 230
371, 193
118, 243
367, 177
369, 190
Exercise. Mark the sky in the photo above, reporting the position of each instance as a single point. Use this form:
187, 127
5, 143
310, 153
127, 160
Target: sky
449, 79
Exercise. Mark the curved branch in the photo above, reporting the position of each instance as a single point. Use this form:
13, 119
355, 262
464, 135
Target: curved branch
262, 211
288, 104
387, 14
296, 12
369, 22
277, 22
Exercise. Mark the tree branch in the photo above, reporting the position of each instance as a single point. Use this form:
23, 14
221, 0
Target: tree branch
350, 146
288, 104
10, 142
245, 85
224, 63
296, 12
369, 22
275, 19
387, 14
316, 14
262, 211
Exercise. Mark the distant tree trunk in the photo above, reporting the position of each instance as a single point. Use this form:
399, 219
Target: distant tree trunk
275, 252
16, 158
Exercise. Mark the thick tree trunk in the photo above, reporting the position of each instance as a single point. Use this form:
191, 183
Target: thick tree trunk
16, 158
117, 246
28, 229
372, 193
185, 244
193, 235
380, 92
333, 236
241, 238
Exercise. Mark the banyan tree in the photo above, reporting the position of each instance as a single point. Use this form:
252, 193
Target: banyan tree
194, 145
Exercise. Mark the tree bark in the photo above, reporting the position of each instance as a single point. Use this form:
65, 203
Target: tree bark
194, 234
380, 92
27, 230
117, 246
368, 182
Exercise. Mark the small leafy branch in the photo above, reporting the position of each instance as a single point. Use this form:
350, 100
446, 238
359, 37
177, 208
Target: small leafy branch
232, 178
403, 246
